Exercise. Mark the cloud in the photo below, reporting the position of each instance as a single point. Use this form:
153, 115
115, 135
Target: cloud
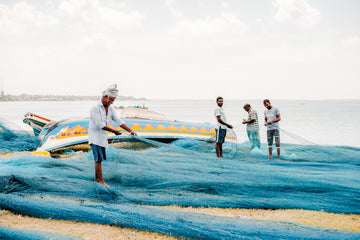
227, 23
298, 12
175, 12
352, 41
93, 14
84, 15
18, 18
224, 4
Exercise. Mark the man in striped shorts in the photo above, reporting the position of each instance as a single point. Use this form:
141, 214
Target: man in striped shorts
272, 118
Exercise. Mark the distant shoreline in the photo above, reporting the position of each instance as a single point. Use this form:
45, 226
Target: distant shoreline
29, 97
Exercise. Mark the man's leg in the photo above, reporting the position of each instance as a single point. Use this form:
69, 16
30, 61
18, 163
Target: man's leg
99, 156
249, 135
217, 149
220, 150
270, 152
277, 143
251, 139
98, 173
270, 142
222, 133
219, 141
257, 140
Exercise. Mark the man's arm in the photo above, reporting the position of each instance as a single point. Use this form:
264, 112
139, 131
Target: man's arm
124, 126
251, 120
278, 118
121, 123
117, 132
222, 122
248, 121
106, 128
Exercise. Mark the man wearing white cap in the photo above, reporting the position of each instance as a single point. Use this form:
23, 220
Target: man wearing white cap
101, 116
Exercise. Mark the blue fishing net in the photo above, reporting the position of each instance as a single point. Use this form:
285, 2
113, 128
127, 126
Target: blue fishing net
187, 173
170, 222
15, 141
7, 233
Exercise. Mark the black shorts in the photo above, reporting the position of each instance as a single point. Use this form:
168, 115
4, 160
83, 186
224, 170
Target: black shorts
220, 135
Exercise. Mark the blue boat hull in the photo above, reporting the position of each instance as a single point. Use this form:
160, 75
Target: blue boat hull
75, 131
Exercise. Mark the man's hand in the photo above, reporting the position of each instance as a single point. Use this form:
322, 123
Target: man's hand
230, 126
244, 121
117, 132
129, 130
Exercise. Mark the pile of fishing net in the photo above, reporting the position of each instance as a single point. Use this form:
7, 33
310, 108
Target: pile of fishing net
7, 233
15, 141
187, 173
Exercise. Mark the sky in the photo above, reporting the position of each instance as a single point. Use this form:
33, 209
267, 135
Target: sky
182, 49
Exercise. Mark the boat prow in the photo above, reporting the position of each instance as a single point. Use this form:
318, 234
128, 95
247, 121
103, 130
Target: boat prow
36, 122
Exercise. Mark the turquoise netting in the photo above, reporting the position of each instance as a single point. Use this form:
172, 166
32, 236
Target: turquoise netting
15, 141
187, 173
7, 233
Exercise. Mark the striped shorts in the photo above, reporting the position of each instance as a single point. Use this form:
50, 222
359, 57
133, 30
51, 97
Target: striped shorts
271, 134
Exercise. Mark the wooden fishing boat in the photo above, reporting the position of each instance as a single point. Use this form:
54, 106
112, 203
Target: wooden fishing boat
147, 124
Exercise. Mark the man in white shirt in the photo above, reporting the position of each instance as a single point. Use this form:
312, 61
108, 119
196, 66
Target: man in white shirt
101, 116
272, 118
221, 126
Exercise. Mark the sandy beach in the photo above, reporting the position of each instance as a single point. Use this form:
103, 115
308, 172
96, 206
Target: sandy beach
349, 222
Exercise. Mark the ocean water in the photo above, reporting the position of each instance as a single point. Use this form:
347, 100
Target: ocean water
332, 122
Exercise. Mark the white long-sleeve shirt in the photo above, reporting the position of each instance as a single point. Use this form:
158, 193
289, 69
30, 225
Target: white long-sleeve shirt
98, 120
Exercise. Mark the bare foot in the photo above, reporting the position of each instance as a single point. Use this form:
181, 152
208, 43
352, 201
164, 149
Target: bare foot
102, 182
